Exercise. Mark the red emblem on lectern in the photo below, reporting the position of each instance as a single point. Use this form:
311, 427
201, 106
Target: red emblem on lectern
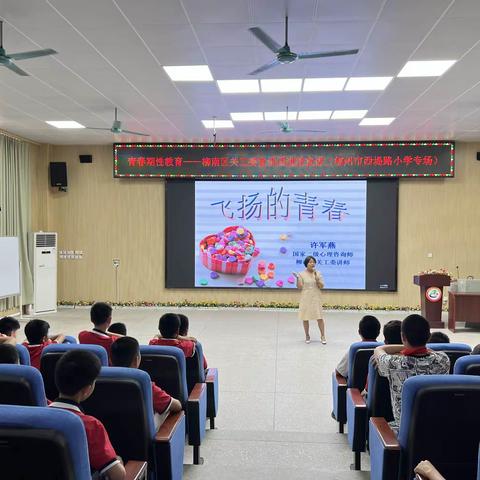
433, 294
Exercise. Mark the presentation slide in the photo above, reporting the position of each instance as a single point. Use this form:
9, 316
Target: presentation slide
254, 234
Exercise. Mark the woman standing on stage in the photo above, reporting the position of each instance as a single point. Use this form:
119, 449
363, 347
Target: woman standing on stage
310, 281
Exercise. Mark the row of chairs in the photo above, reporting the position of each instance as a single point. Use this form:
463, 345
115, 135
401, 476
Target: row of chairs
351, 407
166, 366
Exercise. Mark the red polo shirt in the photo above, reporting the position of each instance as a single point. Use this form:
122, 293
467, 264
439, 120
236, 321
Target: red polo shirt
161, 399
97, 337
187, 346
101, 454
35, 352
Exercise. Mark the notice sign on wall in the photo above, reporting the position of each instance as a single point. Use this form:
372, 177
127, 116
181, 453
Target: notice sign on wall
284, 160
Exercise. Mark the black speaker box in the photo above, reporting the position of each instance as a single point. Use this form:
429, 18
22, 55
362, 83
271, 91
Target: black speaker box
478, 155
85, 158
58, 174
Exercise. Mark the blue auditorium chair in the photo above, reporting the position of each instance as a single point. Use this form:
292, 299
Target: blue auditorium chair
467, 365
197, 374
440, 422
359, 410
358, 356
47, 443
166, 367
130, 422
23, 354
70, 339
52, 353
21, 385
453, 350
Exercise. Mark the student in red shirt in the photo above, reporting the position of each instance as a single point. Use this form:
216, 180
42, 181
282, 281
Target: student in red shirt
36, 332
169, 325
75, 376
126, 353
101, 317
183, 334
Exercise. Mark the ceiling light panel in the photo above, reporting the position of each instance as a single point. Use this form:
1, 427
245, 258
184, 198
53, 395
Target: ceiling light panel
189, 73
376, 121
281, 85
282, 116
348, 114
217, 124
247, 116
324, 84
427, 68
368, 83
238, 86
64, 124
314, 115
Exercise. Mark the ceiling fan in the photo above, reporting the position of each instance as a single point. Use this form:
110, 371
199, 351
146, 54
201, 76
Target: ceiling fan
285, 128
7, 60
284, 54
117, 128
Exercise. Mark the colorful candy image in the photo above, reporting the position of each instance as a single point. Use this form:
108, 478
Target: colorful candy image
203, 281
214, 275
291, 279
279, 283
283, 250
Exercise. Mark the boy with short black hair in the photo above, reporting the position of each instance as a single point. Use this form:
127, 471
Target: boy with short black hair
118, 328
101, 317
438, 337
9, 326
399, 362
368, 329
392, 334
75, 376
36, 332
184, 325
126, 353
9, 354
169, 326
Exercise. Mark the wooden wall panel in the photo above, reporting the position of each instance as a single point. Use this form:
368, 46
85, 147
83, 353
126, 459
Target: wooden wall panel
110, 218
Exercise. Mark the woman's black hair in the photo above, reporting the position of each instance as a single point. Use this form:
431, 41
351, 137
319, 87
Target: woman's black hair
307, 259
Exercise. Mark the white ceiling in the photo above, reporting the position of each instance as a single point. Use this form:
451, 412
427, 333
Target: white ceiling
111, 53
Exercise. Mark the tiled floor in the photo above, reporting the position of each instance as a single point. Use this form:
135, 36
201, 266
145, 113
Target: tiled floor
275, 391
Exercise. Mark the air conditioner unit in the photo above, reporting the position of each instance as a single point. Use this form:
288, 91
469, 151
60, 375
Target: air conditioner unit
43, 262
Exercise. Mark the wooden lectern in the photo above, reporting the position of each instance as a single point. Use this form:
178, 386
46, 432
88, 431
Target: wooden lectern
431, 294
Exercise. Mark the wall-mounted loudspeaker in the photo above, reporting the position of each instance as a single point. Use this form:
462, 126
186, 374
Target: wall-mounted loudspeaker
478, 156
85, 158
58, 175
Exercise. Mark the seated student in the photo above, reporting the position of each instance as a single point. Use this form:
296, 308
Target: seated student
392, 332
438, 337
476, 350
126, 353
368, 329
183, 334
9, 326
4, 339
9, 354
75, 376
118, 328
36, 332
169, 326
101, 317
399, 362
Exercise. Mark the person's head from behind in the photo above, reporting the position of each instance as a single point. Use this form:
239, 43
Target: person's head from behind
183, 331
309, 263
101, 314
438, 337
9, 326
36, 331
415, 331
125, 352
75, 374
369, 327
169, 325
8, 354
118, 327
392, 332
